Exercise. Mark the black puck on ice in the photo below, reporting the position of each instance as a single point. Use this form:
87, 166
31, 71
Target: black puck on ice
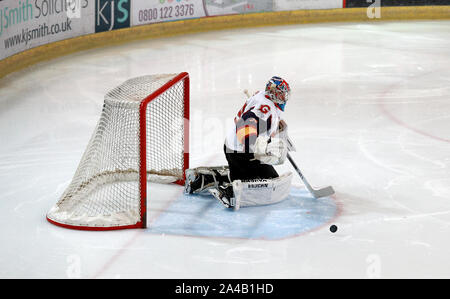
333, 228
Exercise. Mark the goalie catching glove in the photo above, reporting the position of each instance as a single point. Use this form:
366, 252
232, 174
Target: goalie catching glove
269, 150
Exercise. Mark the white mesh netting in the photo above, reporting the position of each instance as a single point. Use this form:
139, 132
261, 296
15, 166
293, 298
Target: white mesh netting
105, 190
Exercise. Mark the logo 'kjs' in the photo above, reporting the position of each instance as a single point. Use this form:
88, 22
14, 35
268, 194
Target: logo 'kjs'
111, 14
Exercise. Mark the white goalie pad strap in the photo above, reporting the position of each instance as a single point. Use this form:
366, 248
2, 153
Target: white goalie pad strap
222, 170
262, 192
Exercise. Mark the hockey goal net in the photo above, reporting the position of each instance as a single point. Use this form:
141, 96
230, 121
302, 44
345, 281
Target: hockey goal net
142, 135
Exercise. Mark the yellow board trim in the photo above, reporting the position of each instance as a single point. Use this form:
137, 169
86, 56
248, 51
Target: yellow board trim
57, 49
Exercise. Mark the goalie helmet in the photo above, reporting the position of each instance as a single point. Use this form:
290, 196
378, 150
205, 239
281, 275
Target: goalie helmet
278, 91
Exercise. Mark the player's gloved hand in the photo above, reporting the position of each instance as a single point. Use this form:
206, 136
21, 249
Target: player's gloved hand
271, 151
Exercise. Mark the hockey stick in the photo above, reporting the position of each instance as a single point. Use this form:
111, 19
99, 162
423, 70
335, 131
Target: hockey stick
327, 191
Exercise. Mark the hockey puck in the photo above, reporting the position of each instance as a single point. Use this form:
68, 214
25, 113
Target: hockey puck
333, 228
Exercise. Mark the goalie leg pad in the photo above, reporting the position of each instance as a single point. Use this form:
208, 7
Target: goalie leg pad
199, 180
261, 192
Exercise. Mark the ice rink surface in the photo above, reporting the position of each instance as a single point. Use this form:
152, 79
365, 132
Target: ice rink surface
369, 113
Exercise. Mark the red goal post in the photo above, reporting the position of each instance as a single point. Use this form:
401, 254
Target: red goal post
182, 77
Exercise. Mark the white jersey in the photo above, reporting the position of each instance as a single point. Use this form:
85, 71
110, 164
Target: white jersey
267, 117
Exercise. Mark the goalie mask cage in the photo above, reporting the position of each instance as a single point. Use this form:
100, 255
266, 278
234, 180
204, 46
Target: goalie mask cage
142, 135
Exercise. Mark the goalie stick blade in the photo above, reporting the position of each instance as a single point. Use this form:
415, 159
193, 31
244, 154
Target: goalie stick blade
327, 191
324, 192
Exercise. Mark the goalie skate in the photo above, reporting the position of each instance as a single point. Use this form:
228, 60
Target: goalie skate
225, 195
199, 180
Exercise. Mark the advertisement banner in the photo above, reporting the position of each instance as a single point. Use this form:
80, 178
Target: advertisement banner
227, 7
25, 24
155, 11
281, 5
112, 14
